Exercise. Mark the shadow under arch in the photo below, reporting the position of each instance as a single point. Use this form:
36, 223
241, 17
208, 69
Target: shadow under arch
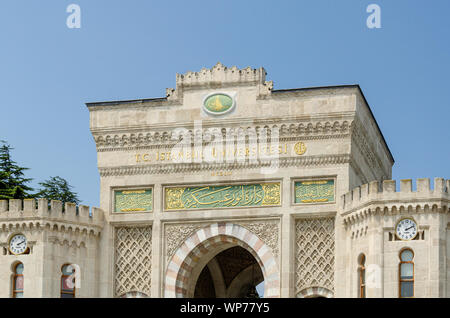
133, 294
196, 251
315, 292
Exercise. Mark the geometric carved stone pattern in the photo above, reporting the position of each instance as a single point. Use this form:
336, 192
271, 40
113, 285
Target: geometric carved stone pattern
266, 231
176, 234
314, 253
133, 260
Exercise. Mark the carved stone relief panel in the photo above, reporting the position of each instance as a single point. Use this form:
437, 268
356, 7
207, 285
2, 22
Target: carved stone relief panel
133, 260
266, 230
314, 253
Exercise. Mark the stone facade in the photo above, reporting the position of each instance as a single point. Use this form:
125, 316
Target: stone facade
370, 214
298, 178
55, 238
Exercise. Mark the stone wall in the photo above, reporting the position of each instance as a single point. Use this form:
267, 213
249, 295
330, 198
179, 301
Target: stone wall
55, 238
370, 214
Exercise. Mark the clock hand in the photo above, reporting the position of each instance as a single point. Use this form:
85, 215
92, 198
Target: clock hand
409, 228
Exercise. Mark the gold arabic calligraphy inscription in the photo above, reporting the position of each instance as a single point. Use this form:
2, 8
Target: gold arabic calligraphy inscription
314, 191
133, 200
223, 196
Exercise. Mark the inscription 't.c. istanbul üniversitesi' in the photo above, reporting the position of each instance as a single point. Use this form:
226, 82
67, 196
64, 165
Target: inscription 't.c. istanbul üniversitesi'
220, 153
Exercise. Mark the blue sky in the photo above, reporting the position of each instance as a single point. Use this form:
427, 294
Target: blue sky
133, 49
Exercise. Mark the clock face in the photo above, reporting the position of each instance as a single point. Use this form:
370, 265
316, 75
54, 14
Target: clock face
406, 229
18, 244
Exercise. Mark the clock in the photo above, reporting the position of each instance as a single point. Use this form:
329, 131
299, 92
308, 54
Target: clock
406, 229
18, 244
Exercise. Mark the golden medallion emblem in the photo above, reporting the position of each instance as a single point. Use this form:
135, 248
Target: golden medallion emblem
300, 148
218, 103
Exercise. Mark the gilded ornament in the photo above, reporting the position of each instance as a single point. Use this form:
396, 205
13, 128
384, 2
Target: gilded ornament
222, 196
133, 200
300, 148
218, 103
317, 191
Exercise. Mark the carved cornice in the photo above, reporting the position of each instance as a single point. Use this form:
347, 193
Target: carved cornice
151, 138
195, 167
366, 146
237, 123
67, 241
170, 145
41, 224
394, 207
383, 199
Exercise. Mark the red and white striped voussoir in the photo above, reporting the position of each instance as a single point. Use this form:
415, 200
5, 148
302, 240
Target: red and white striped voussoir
208, 239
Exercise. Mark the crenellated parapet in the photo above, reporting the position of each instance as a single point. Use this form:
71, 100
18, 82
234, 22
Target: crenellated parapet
220, 76
382, 198
31, 214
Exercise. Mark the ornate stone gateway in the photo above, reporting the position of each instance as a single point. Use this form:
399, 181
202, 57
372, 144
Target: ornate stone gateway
226, 187
226, 183
198, 250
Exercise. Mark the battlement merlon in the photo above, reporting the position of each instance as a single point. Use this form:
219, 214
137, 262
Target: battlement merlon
220, 76
376, 193
16, 209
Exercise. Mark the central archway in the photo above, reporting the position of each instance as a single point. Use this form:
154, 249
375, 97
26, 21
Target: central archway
233, 273
191, 257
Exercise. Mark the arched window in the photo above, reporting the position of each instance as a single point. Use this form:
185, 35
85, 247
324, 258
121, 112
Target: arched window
362, 276
67, 281
17, 283
406, 274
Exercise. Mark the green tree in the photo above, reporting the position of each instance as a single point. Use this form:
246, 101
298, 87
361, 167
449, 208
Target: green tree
57, 188
12, 176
